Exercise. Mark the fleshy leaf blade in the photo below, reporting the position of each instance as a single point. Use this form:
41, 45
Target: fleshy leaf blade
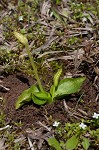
52, 92
69, 86
54, 143
85, 143
37, 96
72, 143
38, 101
42, 95
24, 98
34, 89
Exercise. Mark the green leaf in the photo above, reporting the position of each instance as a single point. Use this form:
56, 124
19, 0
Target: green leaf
56, 77
37, 96
54, 143
43, 95
25, 97
38, 101
69, 86
34, 89
52, 92
85, 143
72, 143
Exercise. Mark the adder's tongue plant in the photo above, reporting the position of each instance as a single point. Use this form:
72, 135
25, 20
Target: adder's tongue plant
24, 41
36, 93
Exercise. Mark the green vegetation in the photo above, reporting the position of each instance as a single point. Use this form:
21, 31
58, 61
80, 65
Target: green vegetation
37, 93
76, 135
74, 24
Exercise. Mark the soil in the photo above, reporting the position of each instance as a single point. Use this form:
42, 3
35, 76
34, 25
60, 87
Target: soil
79, 43
30, 114
32, 117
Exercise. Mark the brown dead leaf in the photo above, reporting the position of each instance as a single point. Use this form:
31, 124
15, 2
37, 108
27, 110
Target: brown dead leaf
40, 135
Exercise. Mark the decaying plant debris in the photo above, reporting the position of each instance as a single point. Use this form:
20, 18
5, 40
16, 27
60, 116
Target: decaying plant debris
63, 34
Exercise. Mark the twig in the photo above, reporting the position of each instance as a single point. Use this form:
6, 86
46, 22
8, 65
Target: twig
74, 114
83, 112
97, 98
65, 106
48, 128
30, 144
4, 88
50, 52
85, 29
19, 139
3, 128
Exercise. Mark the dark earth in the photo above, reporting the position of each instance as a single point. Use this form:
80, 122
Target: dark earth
30, 114
80, 105
80, 58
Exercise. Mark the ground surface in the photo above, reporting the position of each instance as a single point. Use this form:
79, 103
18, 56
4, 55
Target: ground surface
60, 35
31, 114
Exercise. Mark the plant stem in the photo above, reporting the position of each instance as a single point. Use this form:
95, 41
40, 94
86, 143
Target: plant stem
34, 67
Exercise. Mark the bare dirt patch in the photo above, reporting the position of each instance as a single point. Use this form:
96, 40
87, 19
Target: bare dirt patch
30, 114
